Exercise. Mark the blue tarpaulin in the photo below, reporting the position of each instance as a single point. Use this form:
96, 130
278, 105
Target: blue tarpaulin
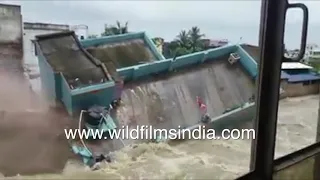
303, 77
284, 75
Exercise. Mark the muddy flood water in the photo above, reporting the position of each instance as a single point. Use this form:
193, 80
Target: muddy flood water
202, 159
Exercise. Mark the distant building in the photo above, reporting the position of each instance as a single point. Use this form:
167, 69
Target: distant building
212, 43
297, 79
81, 31
30, 60
312, 54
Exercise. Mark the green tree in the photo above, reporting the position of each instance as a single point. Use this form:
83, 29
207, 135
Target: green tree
187, 42
183, 39
115, 29
195, 39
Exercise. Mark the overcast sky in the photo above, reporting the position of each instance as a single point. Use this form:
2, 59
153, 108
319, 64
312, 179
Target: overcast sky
216, 19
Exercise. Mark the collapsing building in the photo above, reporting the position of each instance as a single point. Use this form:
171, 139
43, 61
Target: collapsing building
154, 91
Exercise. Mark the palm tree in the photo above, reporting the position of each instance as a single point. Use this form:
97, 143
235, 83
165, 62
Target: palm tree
195, 39
115, 30
122, 29
183, 39
187, 42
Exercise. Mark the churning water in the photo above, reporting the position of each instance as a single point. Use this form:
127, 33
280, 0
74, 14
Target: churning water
203, 159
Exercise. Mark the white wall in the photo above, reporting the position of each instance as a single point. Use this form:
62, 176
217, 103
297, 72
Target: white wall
11, 24
30, 60
80, 30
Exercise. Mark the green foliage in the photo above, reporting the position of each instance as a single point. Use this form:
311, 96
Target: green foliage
186, 42
115, 29
315, 65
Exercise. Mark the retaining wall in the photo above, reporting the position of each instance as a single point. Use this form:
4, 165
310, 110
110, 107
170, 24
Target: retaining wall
299, 89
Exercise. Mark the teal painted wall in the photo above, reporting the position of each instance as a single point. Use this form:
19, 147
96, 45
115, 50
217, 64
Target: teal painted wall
248, 62
152, 68
48, 78
82, 98
66, 97
102, 97
77, 99
236, 119
153, 47
57, 89
186, 60
163, 66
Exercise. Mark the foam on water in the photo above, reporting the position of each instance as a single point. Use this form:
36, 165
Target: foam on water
203, 159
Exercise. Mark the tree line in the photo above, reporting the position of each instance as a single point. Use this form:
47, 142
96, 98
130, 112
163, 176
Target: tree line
186, 42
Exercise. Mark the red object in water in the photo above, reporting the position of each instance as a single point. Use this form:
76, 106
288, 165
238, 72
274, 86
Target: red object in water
202, 106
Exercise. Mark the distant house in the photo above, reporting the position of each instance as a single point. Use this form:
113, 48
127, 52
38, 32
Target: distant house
213, 43
297, 79
30, 60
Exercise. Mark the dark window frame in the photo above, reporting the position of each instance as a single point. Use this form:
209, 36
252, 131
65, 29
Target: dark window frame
263, 164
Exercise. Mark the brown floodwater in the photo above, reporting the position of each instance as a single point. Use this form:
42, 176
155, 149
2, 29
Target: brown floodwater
203, 159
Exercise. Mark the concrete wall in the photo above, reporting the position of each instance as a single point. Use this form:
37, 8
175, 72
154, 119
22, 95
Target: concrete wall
48, 79
236, 119
45, 26
165, 65
100, 97
30, 31
66, 97
11, 24
298, 89
30, 60
248, 62
140, 71
123, 37
80, 30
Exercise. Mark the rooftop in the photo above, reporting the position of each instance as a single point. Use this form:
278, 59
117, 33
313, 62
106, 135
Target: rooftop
294, 65
121, 51
253, 51
169, 99
303, 77
45, 26
64, 54
122, 54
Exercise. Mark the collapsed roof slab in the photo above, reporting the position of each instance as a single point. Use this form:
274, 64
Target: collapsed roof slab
121, 51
